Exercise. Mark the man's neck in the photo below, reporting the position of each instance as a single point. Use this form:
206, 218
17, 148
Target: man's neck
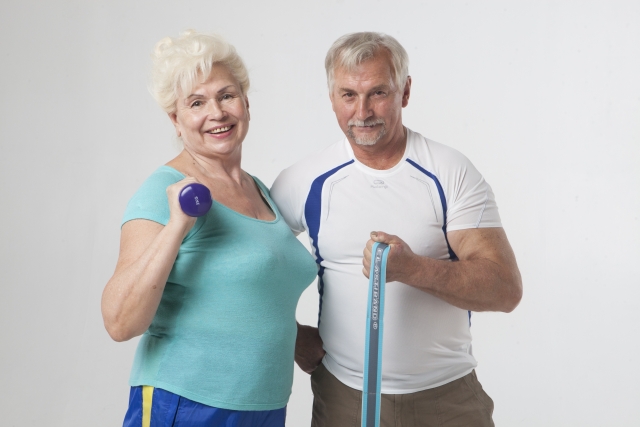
381, 156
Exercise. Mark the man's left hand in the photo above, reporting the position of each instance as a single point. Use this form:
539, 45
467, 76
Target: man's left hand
485, 277
399, 259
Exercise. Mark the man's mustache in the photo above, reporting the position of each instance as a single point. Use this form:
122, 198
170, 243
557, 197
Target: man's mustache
365, 123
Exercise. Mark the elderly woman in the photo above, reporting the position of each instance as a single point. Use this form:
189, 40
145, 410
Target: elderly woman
214, 297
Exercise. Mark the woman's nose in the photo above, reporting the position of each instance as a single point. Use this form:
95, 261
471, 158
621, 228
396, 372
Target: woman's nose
216, 112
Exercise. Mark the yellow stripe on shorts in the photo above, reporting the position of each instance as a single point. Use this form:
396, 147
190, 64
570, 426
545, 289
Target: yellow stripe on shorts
147, 400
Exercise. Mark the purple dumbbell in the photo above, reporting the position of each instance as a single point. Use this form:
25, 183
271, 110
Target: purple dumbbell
195, 199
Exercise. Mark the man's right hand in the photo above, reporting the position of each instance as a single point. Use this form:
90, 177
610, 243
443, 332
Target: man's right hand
309, 351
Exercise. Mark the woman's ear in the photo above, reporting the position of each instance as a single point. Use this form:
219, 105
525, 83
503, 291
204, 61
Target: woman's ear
174, 119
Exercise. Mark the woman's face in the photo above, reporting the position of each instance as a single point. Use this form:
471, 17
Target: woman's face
213, 118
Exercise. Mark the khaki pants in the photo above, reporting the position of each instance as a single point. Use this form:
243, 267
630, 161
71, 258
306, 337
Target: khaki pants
460, 403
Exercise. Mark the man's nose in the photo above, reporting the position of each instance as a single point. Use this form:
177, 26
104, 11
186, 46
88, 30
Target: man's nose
363, 111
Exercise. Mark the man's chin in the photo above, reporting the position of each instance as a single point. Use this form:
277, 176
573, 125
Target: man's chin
366, 142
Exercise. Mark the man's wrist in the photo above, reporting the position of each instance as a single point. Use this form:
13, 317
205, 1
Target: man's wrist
420, 272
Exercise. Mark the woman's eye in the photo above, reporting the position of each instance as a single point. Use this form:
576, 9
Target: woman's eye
196, 103
227, 96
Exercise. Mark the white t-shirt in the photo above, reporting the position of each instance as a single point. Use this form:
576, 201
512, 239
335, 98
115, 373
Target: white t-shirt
339, 201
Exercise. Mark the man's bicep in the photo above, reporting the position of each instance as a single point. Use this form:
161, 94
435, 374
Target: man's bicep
287, 197
488, 243
291, 215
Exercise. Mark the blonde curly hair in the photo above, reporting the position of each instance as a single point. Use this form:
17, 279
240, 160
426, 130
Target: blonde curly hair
180, 63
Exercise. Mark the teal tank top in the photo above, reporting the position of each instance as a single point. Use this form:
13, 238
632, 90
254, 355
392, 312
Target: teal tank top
224, 332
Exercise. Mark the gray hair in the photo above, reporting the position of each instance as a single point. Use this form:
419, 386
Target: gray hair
179, 63
353, 49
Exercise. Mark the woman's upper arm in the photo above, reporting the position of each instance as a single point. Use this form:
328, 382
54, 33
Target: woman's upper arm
135, 237
117, 302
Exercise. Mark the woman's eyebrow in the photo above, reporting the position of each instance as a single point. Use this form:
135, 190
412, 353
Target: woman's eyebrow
220, 90
225, 88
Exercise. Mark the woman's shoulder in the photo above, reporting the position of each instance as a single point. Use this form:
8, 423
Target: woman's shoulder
150, 200
166, 172
160, 179
260, 184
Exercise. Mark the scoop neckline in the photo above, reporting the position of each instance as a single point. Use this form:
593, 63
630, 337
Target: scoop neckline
266, 198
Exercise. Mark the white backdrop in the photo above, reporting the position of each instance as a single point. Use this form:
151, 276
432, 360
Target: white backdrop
543, 96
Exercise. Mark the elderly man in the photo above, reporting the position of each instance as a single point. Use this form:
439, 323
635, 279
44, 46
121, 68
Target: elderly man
449, 254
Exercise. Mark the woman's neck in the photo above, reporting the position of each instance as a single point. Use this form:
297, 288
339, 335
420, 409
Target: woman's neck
224, 168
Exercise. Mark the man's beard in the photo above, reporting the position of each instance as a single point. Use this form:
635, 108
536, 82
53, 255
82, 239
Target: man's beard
369, 139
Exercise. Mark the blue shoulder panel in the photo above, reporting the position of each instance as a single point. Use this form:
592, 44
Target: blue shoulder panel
312, 214
443, 201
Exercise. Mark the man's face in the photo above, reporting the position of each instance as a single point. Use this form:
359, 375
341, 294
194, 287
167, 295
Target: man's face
367, 103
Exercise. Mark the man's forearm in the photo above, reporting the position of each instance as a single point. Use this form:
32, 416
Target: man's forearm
476, 285
485, 278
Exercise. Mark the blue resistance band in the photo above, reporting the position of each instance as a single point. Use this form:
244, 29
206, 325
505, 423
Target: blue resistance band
373, 343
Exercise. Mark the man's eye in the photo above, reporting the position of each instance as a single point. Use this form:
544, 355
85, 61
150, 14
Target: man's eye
348, 95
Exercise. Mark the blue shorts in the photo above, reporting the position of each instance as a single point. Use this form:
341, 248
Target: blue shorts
154, 407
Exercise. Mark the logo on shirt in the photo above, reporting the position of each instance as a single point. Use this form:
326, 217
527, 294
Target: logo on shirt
378, 183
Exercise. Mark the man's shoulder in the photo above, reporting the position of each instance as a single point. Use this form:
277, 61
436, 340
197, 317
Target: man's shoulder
306, 170
292, 186
433, 154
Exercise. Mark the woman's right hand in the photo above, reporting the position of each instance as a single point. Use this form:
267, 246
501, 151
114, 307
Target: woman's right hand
178, 217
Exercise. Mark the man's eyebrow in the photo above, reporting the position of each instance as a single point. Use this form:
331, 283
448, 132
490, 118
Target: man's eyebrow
379, 87
200, 95
373, 89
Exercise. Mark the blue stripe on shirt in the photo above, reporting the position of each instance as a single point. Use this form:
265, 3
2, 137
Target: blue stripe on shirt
312, 214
